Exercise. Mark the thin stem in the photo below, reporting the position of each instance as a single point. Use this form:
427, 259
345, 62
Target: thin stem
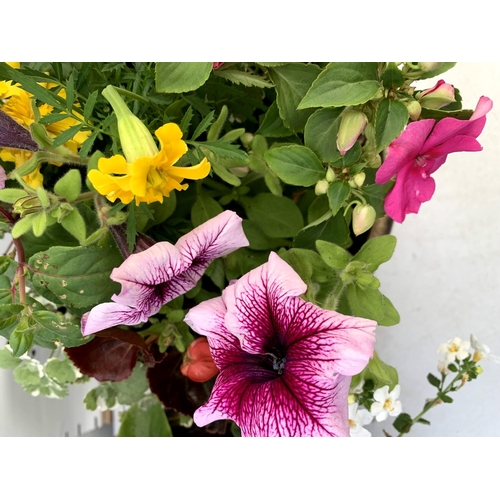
21, 262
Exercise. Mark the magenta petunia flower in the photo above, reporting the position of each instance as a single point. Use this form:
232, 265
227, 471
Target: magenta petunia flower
285, 364
164, 271
419, 151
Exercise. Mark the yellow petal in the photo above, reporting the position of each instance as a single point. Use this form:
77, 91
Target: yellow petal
199, 171
171, 145
114, 165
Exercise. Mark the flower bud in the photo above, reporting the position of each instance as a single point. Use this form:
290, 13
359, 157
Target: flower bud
321, 187
198, 364
351, 127
438, 96
330, 174
375, 161
429, 66
135, 138
359, 179
414, 109
246, 139
363, 217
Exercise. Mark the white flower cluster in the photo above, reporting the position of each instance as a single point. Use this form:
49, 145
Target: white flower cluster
385, 405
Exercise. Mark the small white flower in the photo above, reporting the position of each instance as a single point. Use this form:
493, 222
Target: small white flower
454, 349
482, 351
443, 367
385, 403
358, 418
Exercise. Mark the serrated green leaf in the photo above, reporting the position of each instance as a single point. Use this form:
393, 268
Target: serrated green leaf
295, 165
131, 390
278, 217
392, 77
7, 360
89, 105
390, 120
67, 135
431, 74
203, 125
376, 251
61, 370
292, 81
9, 314
51, 327
70, 92
272, 125
246, 79
186, 121
320, 133
87, 145
342, 84
179, 77
224, 150
215, 129
338, 192
145, 419
333, 255
28, 373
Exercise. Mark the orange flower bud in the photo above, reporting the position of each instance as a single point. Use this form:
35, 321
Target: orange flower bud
198, 364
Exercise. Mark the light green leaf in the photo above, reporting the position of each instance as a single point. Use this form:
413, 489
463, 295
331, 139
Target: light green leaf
246, 79
203, 125
215, 129
365, 303
50, 327
392, 77
390, 120
273, 183
131, 390
278, 217
320, 133
272, 125
75, 225
145, 419
292, 82
343, 84
178, 77
295, 165
11, 195
7, 360
375, 195
381, 373
224, 174
376, 251
39, 223
61, 370
333, 255
327, 228
70, 185
23, 225
224, 150
204, 209
258, 239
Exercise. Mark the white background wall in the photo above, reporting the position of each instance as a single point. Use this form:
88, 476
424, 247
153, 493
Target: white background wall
444, 280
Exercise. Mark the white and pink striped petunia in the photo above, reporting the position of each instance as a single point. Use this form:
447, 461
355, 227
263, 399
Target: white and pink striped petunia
285, 364
155, 276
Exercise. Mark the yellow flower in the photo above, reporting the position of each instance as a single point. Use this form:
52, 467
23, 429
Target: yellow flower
19, 105
144, 173
148, 178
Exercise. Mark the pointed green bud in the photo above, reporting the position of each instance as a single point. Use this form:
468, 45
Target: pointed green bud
359, 179
246, 139
27, 205
321, 187
330, 175
351, 127
363, 217
375, 161
438, 96
429, 66
135, 138
414, 109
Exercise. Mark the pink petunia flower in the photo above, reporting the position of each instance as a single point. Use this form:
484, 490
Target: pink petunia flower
155, 276
419, 151
285, 364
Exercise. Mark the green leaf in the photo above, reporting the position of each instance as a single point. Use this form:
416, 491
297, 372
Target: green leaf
343, 84
9, 314
338, 192
292, 82
391, 315
381, 373
392, 77
67, 135
78, 276
433, 380
246, 79
103, 393
365, 303
203, 125
186, 121
444, 398
278, 217
423, 421
272, 125
70, 92
327, 228
87, 145
225, 175
333, 255
295, 165
258, 239
23, 225
11, 195
215, 129
179, 77
431, 74
375, 195
273, 183
162, 211
224, 150
89, 105
28, 374
50, 327
376, 251
75, 225
61, 370
21, 338
145, 419
390, 120
320, 133
7, 360
204, 209
39, 223
131, 390
403, 423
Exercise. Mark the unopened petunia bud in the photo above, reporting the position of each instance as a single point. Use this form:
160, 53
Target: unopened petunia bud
363, 217
351, 127
438, 96
330, 175
321, 187
198, 364
429, 66
414, 109
135, 138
